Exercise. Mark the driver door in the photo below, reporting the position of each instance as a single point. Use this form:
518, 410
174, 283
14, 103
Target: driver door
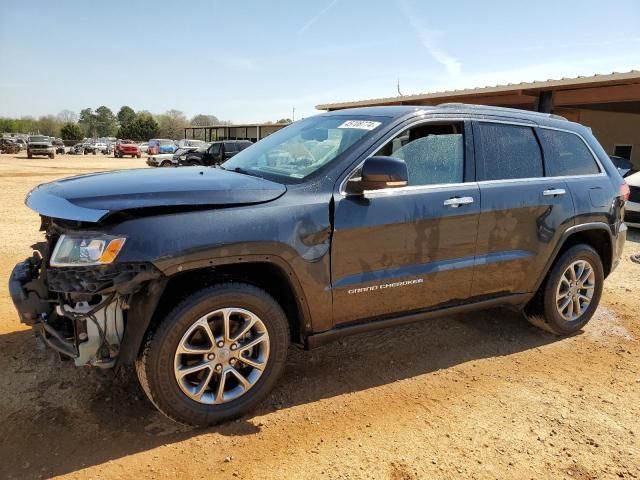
410, 248
213, 155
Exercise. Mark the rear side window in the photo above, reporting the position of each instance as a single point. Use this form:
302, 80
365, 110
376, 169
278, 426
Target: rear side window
230, 147
508, 152
566, 154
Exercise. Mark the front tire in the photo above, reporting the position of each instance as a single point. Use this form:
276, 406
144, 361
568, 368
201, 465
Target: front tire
570, 294
216, 355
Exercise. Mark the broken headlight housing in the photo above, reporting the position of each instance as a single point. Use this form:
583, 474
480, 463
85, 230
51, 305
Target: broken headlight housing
86, 250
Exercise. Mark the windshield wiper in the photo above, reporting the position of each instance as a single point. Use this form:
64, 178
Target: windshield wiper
242, 171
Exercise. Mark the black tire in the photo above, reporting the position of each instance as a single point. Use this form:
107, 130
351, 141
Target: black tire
155, 364
52, 156
29, 155
165, 164
193, 163
94, 152
542, 311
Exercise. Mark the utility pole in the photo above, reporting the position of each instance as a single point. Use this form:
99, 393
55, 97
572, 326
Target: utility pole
293, 114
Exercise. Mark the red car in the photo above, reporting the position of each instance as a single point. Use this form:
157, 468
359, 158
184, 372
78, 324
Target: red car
126, 147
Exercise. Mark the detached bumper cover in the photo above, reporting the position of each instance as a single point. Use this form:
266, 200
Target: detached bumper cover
29, 292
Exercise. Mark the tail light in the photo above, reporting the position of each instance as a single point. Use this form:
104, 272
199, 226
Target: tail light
625, 191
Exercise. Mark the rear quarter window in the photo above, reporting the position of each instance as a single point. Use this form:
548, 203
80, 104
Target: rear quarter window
566, 154
507, 152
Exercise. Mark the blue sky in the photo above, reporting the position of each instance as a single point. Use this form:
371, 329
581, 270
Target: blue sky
256, 60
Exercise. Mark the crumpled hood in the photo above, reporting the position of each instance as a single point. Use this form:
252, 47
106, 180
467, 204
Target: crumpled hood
89, 198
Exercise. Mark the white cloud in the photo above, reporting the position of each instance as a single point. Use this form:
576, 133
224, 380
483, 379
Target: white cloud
428, 38
317, 16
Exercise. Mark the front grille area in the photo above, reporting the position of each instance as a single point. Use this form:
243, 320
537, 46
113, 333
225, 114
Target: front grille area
634, 195
99, 278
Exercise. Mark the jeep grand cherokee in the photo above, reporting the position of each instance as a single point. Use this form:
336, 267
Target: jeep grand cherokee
340, 223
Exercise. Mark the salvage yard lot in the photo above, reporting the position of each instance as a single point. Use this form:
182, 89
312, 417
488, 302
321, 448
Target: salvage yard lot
470, 396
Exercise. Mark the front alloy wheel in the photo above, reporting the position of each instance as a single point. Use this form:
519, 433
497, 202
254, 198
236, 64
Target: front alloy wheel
221, 356
216, 355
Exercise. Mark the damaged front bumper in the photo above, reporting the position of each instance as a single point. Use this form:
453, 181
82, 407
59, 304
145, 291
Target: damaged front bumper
80, 312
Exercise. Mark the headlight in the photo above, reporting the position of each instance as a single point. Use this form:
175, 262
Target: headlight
84, 250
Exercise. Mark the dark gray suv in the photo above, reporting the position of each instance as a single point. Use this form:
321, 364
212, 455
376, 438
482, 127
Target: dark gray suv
337, 224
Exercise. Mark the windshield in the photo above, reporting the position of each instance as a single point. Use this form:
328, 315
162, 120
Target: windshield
38, 138
299, 150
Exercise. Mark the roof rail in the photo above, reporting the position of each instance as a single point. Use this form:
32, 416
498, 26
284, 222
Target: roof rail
504, 110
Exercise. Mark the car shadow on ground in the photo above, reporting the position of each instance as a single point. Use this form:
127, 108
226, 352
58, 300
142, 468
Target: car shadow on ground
70, 418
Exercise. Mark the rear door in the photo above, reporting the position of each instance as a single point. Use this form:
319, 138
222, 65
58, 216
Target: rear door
523, 213
568, 156
411, 248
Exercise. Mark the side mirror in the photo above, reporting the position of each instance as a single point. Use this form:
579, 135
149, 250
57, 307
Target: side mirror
380, 172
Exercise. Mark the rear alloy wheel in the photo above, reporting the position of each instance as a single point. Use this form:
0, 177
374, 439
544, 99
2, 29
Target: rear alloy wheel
570, 294
216, 355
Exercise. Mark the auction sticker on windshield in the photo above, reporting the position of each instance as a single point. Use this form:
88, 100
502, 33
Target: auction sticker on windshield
360, 124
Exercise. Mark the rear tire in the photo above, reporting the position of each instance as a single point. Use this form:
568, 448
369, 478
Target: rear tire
165, 164
566, 301
52, 156
197, 400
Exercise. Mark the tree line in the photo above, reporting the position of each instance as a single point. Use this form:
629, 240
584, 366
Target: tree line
102, 122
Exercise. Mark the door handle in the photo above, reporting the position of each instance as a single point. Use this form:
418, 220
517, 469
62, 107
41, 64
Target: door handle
552, 192
455, 202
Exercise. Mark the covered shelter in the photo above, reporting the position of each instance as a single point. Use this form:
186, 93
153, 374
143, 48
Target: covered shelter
249, 131
608, 104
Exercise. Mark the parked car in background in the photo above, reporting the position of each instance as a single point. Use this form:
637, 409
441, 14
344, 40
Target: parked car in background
59, 145
161, 145
632, 208
190, 143
77, 149
126, 147
40, 145
88, 146
215, 153
9, 145
21, 142
101, 147
624, 165
170, 159
144, 147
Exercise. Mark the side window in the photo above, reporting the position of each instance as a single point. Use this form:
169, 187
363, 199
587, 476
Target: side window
230, 147
434, 153
215, 149
566, 154
507, 152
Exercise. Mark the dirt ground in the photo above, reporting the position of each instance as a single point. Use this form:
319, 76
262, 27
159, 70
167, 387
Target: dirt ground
470, 396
